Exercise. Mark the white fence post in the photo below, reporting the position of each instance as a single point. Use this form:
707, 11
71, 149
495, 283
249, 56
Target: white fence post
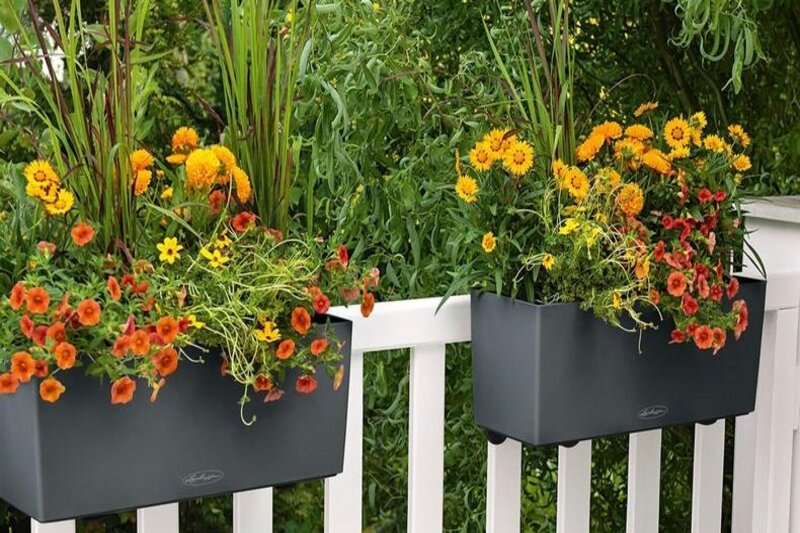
709, 453
158, 519
252, 511
574, 488
644, 481
67, 526
503, 487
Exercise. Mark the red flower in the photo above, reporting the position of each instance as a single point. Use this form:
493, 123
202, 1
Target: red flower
285, 350
367, 304
17, 296
82, 234
668, 222
243, 221
659, 252
301, 320
27, 326
262, 383
318, 346
57, 332
733, 288
719, 339
677, 337
113, 288
306, 384
46, 247
40, 335
689, 304
121, 346
742, 318
676, 284
122, 391
321, 304
8, 384
344, 257
704, 196
41, 368
350, 294
716, 293
314, 291
215, 201
128, 280
720, 196
704, 337
702, 286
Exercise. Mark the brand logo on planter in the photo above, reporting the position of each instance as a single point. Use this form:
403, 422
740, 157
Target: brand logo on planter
652, 412
202, 478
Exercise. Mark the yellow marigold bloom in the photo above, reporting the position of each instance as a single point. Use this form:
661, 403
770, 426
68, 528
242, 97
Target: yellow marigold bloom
656, 160
495, 141
609, 178
141, 160
169, 250
576, 182
480, 157
631, 200
518, 158
268, 332
167, 193
548, 261
609, 130
642, 269
489, 242
216, 259
616, 301
225, 157
558, 170
742, 163
714, 143
243, 188
142, 182
739, 135
185, 140
677, 132
570, 225
678, 153
628, 151
699, 121
176, 159
639, 132
40, 171
645, 108
202, 169
62, 204
589, 148
466, 188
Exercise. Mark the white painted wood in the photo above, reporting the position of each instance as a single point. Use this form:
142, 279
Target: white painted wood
503, 487
709, 452
644, 479
574, 488
158, 519
426, 439
67, 526
252, 511
744, 466
343, 493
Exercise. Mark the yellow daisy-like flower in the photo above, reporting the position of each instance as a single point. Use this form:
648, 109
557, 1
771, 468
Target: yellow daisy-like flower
167, 193
142, 182
656, 160
569, 227
45, 192
141, 160
558, 170
629, 151
169, 250
225, 157
41, 172
243, 188
489, 242
467, 188
699, 121
495, 141
480, 157
739, 135
63, 202
576, 182
176, 159
645, 108
631, 200
677, 132
609, 178
518, 158
714, 143
223, 242
193, 322
678, 153
202, 169
609, 130
216, 259
185, 140
590, 147
639, 132
548, 261
742, 163
268, 332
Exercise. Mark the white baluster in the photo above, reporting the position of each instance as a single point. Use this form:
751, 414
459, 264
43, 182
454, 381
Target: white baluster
574, 488
644, 478
67, 526
158, 519
709, 452
252, 511
503, 487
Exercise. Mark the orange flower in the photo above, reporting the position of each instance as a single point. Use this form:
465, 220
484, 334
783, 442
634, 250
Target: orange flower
40, 335
306, 384
121, 346
114, 289
140, 343
166, 361
51, 390
321, 304
318, 346
704, 337
47, 247
243, 221
262, 383
122, 391
17, 296
285, 350
676, 284
367, 304
27, 326
742, 318
57, 332
89, 313
301, 320
65, 355
37, 301
8, 384
167, 329
82, 234
41, 369
23, 367
215, 201
719, 339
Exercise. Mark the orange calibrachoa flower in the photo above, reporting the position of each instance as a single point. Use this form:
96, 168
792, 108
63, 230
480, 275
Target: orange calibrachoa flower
37, 301
243, 221
82, 234
166, 361
114, 290
321, 304
23, 367
367, 304
51, 390
26, 326
57, 332
17, 297
703, 337
65, 354
285, 350
140, 343
167, 329
89, 313
122, 391
41, 368
318, 346
262, 383
121, 346
301, 320
8, 384
676, 284
306, 384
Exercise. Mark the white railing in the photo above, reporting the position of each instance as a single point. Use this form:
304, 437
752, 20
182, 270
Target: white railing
767, 448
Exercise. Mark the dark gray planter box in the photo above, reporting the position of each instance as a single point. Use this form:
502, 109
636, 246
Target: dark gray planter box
83, 456
547, 374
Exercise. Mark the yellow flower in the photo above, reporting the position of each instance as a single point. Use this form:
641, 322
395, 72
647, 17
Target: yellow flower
548, 261
243, 188
570, 225
167, 193
678, 153
466, 188
601, 218
268, 332
495, 141
40, 171
558, 170
629, 151
176, 159
656, 160
609, 178
617, 301
184, 141
518, 158
142, 182
589, 148
376, 7
44, 191
677, 132
645, 108
592, 236
739, 135
62, 204
642, 268
639, 131
714, 143
742, 163
215, 259
223, 242
196, 324
141, 160
609, 130
631, 200
202, 169
225, 157
699, 121
489, 242
576, 182
480, 157
169, 250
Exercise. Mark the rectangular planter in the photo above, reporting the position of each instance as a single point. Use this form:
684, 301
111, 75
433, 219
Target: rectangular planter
83, 456
547, 374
